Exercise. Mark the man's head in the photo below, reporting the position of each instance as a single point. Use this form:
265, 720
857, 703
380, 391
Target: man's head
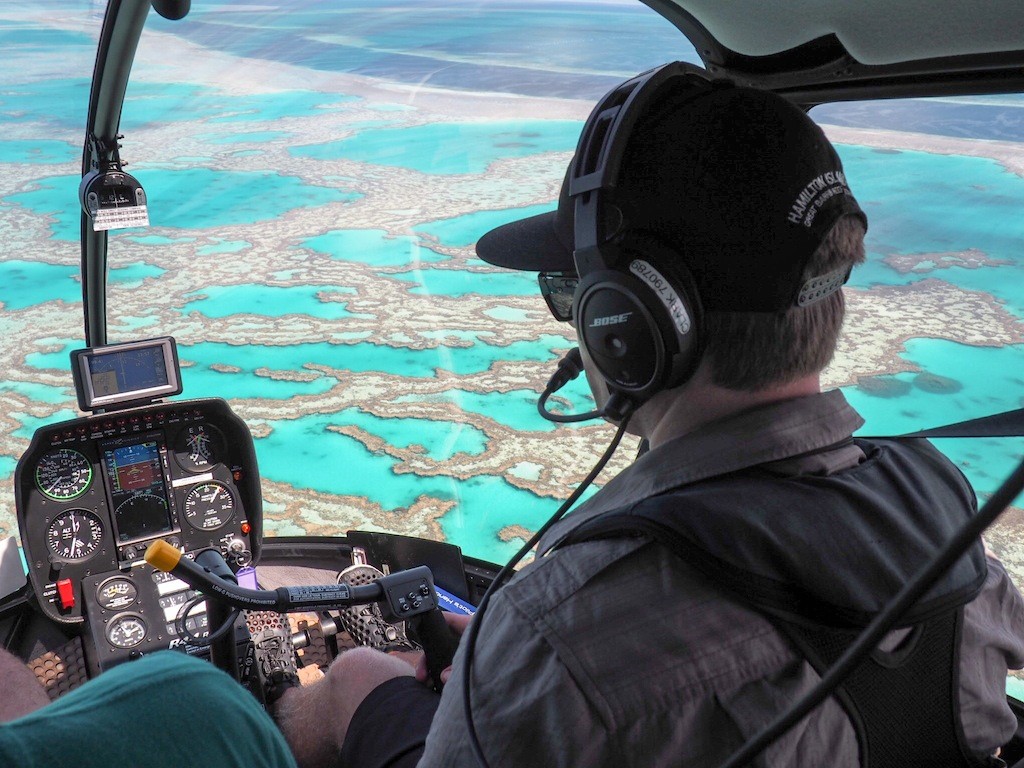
735, 198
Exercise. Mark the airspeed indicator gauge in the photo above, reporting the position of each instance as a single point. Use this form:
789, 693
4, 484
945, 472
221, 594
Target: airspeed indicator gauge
63, 474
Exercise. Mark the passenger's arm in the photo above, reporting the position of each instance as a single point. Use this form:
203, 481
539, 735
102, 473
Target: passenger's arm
527, 708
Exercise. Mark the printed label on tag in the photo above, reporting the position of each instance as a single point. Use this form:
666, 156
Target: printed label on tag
120, 218
665, 292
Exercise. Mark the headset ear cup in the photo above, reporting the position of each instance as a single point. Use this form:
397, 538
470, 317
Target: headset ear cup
671, 293
641, 324
618, 333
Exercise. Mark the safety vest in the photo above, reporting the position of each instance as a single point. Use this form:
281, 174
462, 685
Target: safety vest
819, 556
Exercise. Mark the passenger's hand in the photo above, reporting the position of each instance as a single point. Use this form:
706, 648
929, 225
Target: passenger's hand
315, 718
456, 622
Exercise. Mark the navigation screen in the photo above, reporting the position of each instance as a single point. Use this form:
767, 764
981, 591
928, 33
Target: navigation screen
132, 370
137, 491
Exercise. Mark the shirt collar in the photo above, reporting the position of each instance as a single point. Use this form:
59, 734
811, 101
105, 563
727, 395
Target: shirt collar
763, 434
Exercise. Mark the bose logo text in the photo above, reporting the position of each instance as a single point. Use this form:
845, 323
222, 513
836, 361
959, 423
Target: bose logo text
610, 320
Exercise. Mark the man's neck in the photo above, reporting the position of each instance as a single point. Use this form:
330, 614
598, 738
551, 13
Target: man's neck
677, 412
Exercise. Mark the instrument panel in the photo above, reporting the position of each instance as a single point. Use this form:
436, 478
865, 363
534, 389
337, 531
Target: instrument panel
93, 493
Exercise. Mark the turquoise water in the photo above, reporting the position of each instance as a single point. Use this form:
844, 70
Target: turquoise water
27, 283
148, 102
135, 273
370, 246
304, 453
38, 151
223, 246
463, 231
363, 357
188, 198
958, 382
449, 148
268, 300
238, 138
918, 203
537, 48
62, 103
44, 393
458, 282
29, 424
516, 409
440, 440
156, 239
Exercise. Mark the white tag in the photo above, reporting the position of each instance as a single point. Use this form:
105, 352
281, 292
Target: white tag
665, 292
120, 218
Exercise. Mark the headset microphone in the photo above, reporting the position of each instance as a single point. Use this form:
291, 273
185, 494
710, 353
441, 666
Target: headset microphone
569, 367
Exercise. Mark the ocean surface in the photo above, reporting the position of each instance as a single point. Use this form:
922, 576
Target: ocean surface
918, 203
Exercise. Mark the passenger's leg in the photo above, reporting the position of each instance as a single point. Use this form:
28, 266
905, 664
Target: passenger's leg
21, 691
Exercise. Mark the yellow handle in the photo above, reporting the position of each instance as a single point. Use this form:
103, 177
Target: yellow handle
162, 555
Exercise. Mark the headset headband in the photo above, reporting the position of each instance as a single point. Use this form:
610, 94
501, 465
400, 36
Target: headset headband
595, 167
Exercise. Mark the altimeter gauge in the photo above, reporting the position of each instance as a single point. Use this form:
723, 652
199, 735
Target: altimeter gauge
208, 506
74, 535
63, 474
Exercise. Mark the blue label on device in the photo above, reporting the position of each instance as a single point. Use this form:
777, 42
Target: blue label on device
446, 601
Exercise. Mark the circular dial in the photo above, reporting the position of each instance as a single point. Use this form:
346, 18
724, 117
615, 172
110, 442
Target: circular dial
74, 534
63, 474
208, 506
116, 594
126, 631
198, 447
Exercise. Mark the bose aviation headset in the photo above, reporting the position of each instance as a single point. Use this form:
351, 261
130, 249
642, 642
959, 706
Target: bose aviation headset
636, 308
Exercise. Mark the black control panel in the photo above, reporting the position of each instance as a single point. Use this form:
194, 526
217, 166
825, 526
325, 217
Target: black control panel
93, 493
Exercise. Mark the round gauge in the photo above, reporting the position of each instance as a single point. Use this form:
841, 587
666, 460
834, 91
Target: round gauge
74, 534
198, 447
116, 594
208, 506
126, 631
63, 474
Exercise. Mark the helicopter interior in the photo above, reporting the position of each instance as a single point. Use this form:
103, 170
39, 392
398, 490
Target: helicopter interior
119, 459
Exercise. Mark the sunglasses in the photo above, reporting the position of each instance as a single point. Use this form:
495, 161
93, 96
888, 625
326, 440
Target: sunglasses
558, 289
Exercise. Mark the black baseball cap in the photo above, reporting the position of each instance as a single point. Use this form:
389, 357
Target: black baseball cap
738, 181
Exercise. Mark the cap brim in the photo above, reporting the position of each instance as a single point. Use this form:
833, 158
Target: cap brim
529, 244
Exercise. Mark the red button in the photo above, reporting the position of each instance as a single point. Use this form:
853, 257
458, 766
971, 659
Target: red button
66, 594
246, 528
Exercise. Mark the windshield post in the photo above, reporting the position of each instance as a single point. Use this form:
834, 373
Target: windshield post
119, 38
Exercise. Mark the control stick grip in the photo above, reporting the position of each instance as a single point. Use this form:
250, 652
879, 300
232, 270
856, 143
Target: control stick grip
439, 643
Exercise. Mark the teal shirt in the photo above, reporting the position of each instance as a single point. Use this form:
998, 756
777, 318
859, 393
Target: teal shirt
167, 710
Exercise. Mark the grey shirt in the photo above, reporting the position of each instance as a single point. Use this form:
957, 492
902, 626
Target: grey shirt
615, 653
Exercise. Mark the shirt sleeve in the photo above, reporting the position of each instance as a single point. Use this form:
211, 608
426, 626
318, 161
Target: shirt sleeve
992, 643
527, 709
390, 726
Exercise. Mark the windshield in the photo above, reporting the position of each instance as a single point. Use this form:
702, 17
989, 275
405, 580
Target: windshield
317, 175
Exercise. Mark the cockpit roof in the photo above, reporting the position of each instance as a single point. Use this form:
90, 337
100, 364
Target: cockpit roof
862, 49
